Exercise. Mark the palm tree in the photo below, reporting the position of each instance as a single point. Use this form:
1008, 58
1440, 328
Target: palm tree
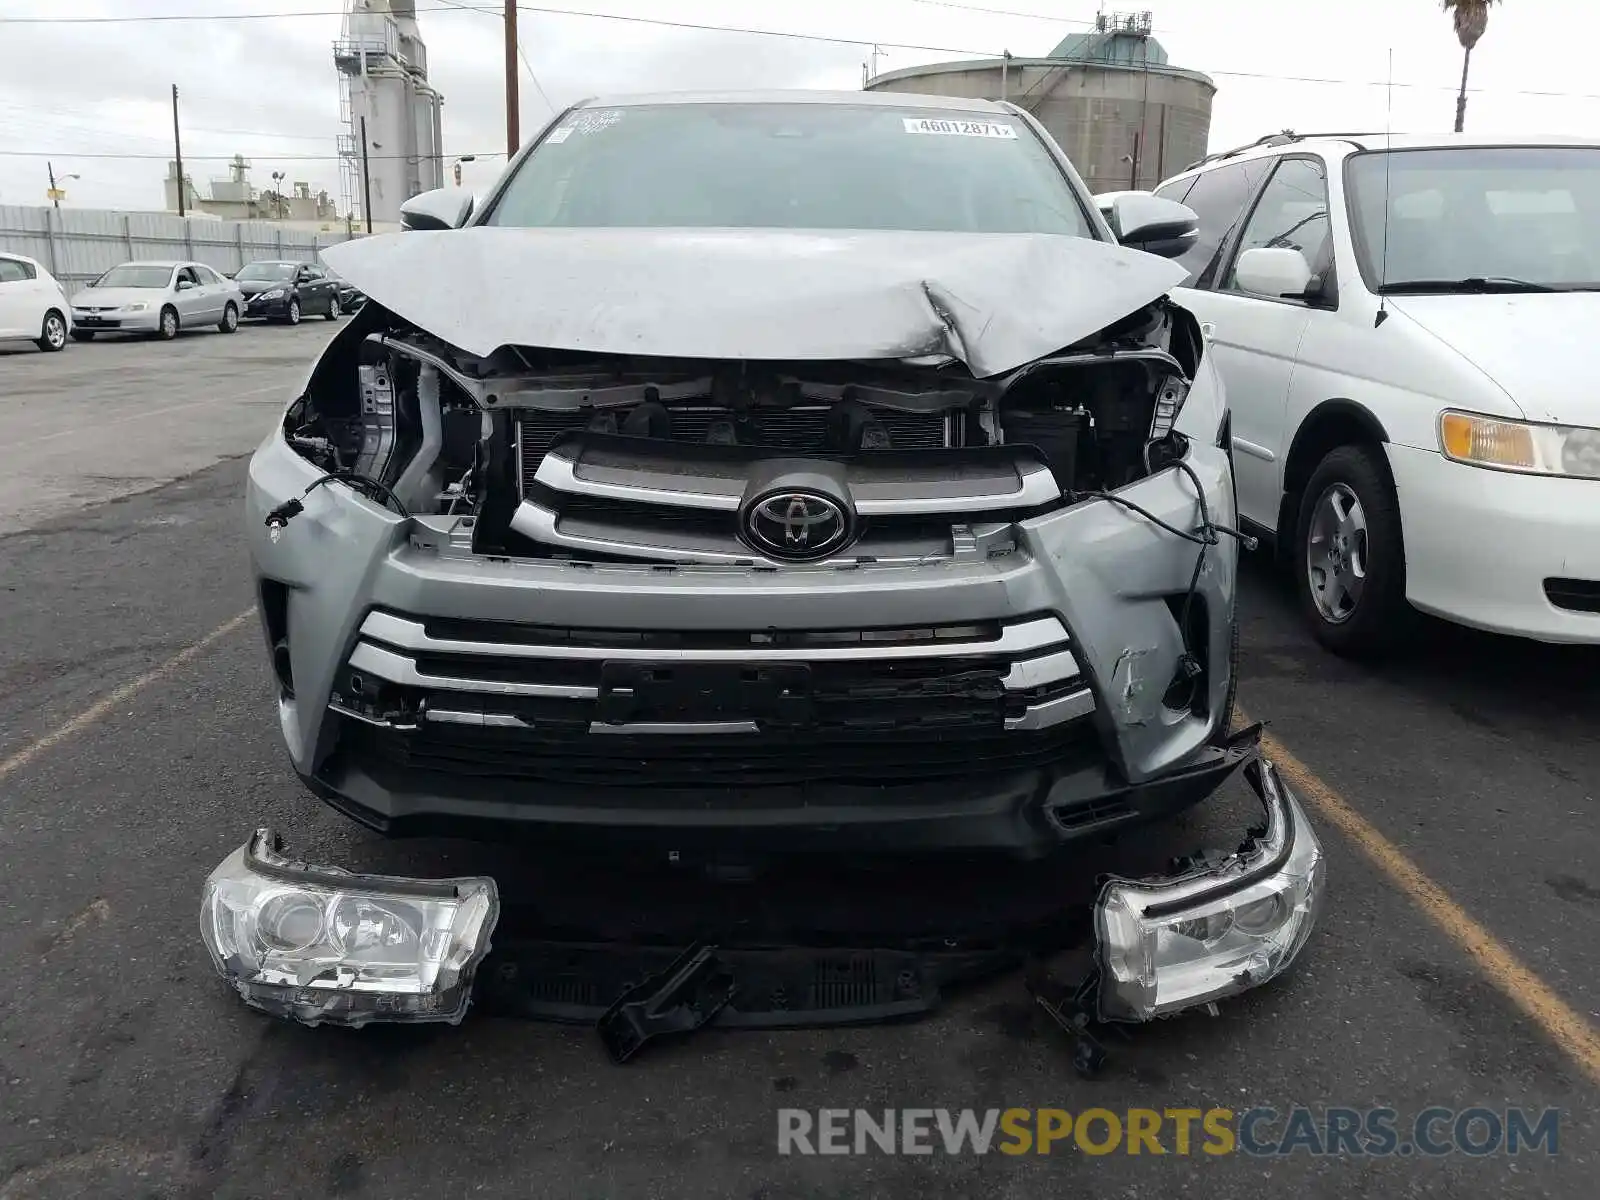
1472, 18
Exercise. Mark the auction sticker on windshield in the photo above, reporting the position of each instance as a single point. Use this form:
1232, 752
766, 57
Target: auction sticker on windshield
990, 129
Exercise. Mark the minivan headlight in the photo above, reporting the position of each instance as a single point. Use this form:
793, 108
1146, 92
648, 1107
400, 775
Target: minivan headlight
1502, 444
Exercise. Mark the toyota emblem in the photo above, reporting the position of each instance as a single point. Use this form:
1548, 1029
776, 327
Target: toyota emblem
797, 526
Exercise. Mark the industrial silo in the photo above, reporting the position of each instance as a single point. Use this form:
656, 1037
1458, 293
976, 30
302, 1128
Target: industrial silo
1125, 115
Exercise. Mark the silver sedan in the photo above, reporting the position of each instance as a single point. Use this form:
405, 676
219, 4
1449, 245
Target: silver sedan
156, 297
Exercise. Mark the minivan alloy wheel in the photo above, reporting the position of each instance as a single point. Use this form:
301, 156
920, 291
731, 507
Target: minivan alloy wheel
1336, 553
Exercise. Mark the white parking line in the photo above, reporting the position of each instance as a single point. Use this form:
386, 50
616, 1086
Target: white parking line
117, 695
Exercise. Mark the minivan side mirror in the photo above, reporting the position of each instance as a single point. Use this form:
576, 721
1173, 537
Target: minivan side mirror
1276, 272
442, 208
1153, 224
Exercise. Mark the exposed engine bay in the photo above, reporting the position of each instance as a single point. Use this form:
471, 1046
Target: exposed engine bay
443, 432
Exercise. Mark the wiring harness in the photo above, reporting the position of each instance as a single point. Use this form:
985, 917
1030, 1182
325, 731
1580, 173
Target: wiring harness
366, 485
1207, 534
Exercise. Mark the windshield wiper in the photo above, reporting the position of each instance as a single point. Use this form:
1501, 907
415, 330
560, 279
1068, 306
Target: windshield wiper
1472, 285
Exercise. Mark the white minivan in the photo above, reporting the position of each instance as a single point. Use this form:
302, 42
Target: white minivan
33, 306
1406, 327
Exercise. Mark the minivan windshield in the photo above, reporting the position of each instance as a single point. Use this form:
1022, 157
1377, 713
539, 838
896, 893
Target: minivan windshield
1477, 219
266, 272
135, 275
792, 166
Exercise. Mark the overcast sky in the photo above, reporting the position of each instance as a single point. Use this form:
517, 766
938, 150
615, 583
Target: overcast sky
266, 88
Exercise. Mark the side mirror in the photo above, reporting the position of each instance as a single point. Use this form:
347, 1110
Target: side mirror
442, 208
185, 284
1273, 271
1151, 223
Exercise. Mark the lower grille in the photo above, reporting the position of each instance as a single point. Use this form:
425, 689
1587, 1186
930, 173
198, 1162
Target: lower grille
697, 762
499, 701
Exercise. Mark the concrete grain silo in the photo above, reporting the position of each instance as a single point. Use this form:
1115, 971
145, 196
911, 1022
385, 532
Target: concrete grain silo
1125, 115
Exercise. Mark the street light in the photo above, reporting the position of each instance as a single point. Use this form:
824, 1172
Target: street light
55, 192
456, 166
277, 191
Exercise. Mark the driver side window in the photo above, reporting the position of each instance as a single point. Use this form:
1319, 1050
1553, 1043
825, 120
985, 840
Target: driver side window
1292, 213
186, 274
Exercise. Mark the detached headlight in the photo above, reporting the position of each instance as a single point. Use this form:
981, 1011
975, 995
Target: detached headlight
1164, 946
274, 294
319, 944
134, 307
1506, 445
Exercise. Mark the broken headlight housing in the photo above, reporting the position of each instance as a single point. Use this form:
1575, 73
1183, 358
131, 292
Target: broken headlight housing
1212, 932
318, 944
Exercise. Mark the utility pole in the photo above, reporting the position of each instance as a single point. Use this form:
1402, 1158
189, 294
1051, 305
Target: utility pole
177, 150
54, 195
366, 177
513, 134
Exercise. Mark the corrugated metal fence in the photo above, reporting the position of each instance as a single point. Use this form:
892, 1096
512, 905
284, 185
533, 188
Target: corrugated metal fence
80, 244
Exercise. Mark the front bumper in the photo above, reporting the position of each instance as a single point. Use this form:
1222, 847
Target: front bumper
768, 985
118, 322
258, 309
1483, 547
350, 588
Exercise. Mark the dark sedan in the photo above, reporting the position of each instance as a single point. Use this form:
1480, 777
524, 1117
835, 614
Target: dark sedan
286, 291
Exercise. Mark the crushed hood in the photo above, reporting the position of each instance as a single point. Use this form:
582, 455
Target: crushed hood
1538, 348
993, 301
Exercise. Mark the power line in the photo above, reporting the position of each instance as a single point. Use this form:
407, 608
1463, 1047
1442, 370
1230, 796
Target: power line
528, 66
776, 33
121, 19
223, 158
1005, 12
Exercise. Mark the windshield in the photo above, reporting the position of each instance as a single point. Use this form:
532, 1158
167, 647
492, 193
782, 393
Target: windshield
135, 275
792, 166
267, 272
1486, 218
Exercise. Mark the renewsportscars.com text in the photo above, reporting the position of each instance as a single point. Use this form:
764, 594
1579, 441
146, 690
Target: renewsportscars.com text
1258, 1132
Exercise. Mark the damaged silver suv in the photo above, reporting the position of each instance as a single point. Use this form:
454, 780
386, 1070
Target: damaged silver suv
812, 471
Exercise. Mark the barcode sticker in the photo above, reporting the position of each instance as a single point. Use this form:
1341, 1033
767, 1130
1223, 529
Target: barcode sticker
988, 129
557, 136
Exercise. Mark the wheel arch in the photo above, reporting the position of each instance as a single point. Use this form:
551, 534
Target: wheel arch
1333, 423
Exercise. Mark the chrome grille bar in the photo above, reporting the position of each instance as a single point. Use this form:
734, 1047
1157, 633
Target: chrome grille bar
1025, 637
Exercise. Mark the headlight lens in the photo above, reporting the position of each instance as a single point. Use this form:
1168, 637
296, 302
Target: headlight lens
274, 294
1506, 445
318, 944
134, 307
1160, 953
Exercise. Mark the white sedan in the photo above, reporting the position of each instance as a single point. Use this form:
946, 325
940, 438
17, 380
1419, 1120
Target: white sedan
33, 305
156, 297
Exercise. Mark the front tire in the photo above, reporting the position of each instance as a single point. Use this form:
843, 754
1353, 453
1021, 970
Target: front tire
230, 319
293, 317
1350, 562
169, 324
333, 309
53, 333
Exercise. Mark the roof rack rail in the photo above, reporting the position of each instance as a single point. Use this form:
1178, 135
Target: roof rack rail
1283, 138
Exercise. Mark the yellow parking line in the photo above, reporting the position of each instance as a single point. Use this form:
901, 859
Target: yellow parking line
118, 695
1500, 967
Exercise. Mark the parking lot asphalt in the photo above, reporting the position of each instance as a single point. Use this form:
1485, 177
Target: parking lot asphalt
137, 747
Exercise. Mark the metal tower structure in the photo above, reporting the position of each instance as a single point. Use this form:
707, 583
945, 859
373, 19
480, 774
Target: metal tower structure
383, 89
